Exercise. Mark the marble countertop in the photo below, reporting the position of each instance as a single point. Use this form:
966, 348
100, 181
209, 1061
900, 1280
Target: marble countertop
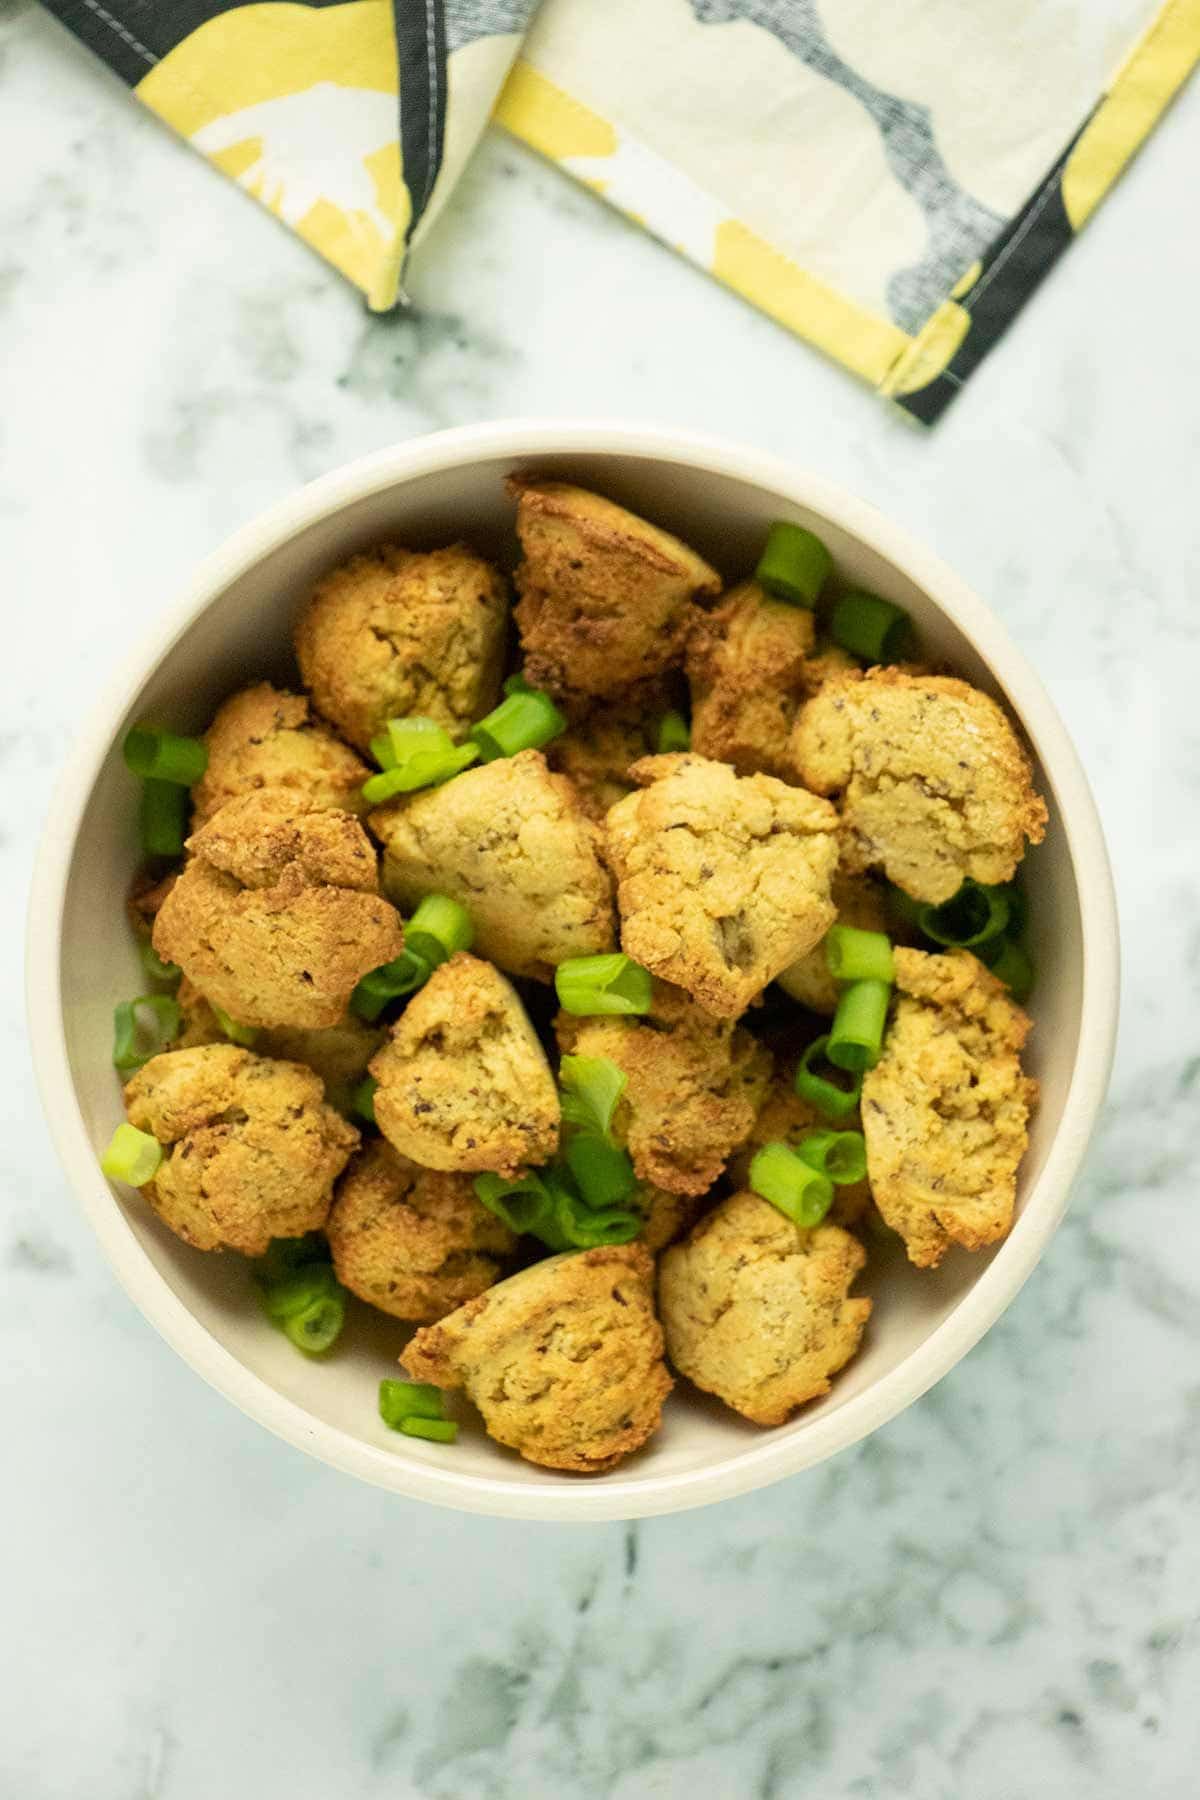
996, 1597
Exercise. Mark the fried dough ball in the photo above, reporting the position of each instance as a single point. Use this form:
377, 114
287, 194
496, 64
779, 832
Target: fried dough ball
511, 841
339, 1054
400, 632
933, 781
785, 1119
606, 599
564, 1361
265, 738
722, 881
693, 1086
860, 902
412, 1242
463, 1081
746, 664
277, 914
945, 1110
252, 1150
198, 1023
601, 744
668, 1216
757, 1311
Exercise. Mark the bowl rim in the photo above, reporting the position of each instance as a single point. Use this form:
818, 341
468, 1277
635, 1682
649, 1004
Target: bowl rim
636, 1494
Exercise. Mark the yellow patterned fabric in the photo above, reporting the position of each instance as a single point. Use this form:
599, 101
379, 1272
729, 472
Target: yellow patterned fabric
890, 179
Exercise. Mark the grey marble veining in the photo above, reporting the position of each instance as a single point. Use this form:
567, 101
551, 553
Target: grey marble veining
997, 1597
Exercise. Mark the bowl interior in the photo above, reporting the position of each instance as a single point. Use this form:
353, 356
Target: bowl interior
243, 635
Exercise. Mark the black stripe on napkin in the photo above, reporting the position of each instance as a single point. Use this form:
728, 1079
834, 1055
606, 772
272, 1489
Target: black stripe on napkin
421, 52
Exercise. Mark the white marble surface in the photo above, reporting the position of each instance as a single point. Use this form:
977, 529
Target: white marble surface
994, 1599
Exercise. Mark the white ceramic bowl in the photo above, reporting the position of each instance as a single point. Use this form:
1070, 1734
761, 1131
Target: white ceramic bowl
233, 626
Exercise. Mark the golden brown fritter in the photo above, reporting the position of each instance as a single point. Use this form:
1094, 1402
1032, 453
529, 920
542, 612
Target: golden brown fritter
606, 599
860, 902
414, 1243
668, 1216
252, 1150
785, 1119
757, 1311
746, 664
511, 841
397, 633
694, 1085
933, 781
265, 738
277, 913
722, 881
339, 1053
198, 1023
564, 1361
945, 1109
603, 741
463, 1081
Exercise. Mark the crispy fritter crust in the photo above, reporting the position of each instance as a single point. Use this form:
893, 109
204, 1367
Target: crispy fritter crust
400, 632
746, 664
564, 1361
511, 841
784, 1119
757, 1311
277, 913
252, 1149
463, 1081
934, 783
694, 1085
945, 1109
859, 901
668, 1216
722, 881
412, 1242
265, 738
606, 599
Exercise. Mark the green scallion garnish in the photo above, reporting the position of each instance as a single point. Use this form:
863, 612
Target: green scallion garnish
438, 929
285, 1256
827, 1092
296, 1291
795, 564
524, 720
424, 768
591, 1087
169, 974
391, 981
245, 1035
871, 627
841, 1155
438, 1431
1011, 964
136, 1039
164, 756
854, 955
400, 1400
132, 1156
319, 1326
970, 918
162, 818
603, 1173
856, 1035
362, 1100
593, 986
803, 1194
672, 733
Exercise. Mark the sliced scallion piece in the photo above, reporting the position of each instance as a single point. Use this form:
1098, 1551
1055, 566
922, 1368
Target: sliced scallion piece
400, 1400
245, 1035
856, 1035
524, 720
827, 1092
794, 565
158, 970
591, 1089
319, 1326
362, 1101
603, 1173
1012, 965
871, 627
162, 818
438, 929
803, 1194
593, 986
855, 955
422, 769
136, 1039
164, 756
841, 1155
391, 981
970, 918
671, 733
438, 1431
132, 1156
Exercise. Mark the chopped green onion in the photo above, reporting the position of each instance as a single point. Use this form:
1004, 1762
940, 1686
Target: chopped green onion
381, 750
854, 955
523, 1202
525, 720
162, 818
400, 1400
672, 732
245, 1035
903, 907
794, 565
158, 970
603, 1174
426, 768
390, 981
856, 1035
283, 1256
439, 927
841, 1155
362, 1100
132, 1155
580, 1228
872, 628
1011, 964
803, 1194
438, 1431
319, 1326
828, 1095
590, 986
973, 916
591, 1087
135, 1041
163, 756
296, 1292
517, 683
417, 736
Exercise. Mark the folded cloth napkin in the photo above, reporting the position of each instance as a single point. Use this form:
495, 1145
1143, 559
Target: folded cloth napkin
891, 179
